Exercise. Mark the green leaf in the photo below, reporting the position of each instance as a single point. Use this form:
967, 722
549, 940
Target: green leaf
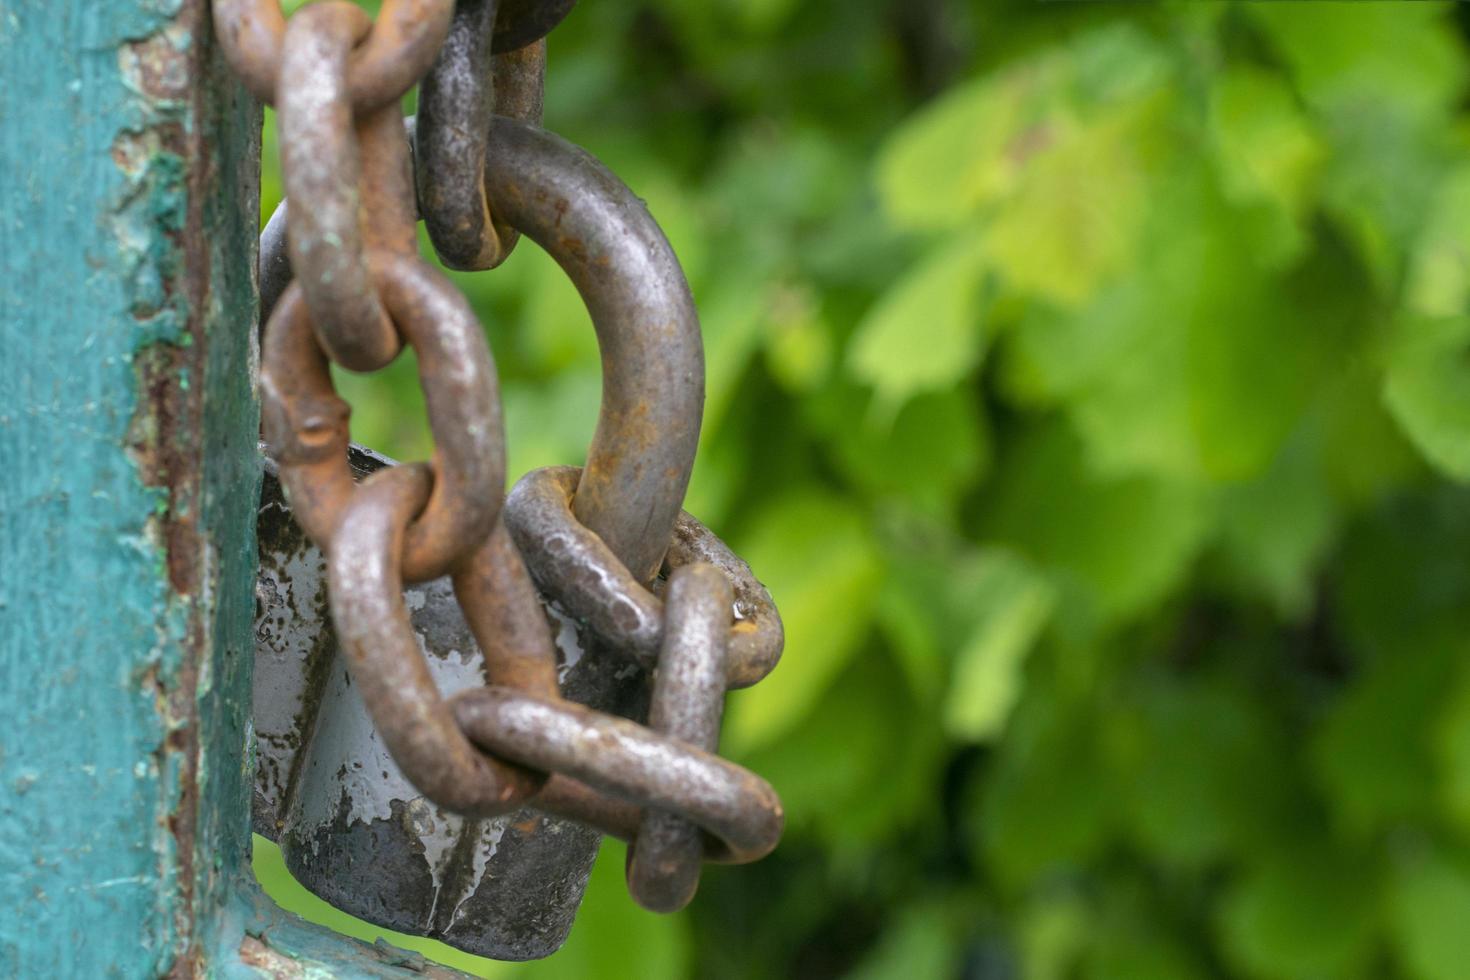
934, 449
1307, 912
1373, 755
818, 559
1204, 768
1429, 906
1127, 543
963, 150
919, 944
1049, 803
1451, 746
1427, 388
1074, 219
863, 763
1051, 933
1439, 267
925, 332
1344, 55
1267, 148
1011, 604
1275, 529
613, 937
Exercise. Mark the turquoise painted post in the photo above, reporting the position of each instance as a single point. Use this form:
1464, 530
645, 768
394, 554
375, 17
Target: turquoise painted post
128, 482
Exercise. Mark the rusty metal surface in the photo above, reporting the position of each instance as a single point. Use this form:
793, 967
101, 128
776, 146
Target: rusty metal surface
688, 703
459, 96
520, 22
603, 237
404, 40
321, 163
351, 826
572, 563
628, 762
383, 658
399, 734
305, 422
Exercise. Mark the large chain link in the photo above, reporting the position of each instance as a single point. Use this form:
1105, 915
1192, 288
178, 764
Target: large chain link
606, 542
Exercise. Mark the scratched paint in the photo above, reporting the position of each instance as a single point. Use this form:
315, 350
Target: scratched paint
127, 431
104, 513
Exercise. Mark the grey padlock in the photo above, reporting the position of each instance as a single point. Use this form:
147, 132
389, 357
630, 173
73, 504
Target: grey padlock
350, 825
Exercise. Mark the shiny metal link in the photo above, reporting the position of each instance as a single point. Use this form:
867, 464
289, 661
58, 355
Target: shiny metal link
574, 565
688, 703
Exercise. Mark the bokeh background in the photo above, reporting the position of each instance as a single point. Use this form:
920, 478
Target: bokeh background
1090, 383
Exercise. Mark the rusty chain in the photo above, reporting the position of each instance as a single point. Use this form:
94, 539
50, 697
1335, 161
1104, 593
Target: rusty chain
342, 282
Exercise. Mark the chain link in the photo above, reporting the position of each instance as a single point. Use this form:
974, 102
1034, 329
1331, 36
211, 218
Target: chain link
606, 542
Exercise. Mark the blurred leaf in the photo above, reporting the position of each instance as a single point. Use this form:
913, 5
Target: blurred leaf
1075, 216
1428, 908
964, 150
935, 448
1403, 579
1451, 746
798, 340
1267, 147
1126, 542
918, 944
817, 557
1204, 768
1372, 753
1052, 933
860, 765
1306, 912
1427, 388
550, 424
1136, 943
925, 332
1439, 271
613, 937
1275, 529
1011, 604
1341, 56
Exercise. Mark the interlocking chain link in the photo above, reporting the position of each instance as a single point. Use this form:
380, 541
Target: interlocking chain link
606, 542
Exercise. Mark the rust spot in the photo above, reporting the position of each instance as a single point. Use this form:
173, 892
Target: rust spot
254, 952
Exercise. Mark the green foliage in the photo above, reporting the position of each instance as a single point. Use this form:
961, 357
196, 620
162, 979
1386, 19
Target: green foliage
1089, 383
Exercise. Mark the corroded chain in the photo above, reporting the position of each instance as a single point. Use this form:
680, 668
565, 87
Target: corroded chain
607, 542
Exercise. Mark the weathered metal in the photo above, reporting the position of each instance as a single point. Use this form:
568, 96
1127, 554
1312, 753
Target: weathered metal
403, 42
306, 423
628, 762
572, 563
520, 22
321, 162
391, 768
457, 100
351, 826
688, 703
127, 555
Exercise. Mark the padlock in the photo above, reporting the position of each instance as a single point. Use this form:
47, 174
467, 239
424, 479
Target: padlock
350, 825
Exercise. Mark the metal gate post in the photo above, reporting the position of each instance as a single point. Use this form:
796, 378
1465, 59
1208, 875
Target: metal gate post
128, 481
